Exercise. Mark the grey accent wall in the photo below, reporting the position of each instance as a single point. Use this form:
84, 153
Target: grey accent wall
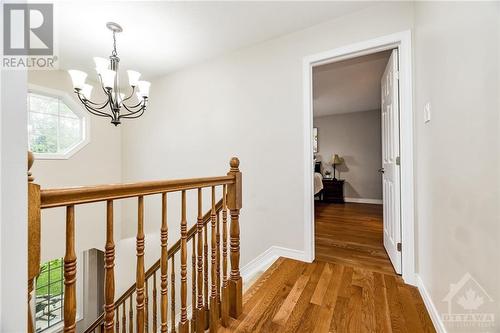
357, 138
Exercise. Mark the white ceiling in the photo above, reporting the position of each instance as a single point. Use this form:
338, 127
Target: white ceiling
160, 37
351, 85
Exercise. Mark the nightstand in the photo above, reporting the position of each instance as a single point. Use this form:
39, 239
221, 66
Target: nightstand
333, 190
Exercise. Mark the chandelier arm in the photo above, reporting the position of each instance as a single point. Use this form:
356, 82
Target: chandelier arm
131, 94
86, 102
135, 108
97, 113
133, 115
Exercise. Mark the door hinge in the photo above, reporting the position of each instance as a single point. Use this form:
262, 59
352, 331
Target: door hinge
396, 75
398, 160
398, 246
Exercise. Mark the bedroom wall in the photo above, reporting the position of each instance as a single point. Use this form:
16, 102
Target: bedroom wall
457, 66
357, 138
248, 104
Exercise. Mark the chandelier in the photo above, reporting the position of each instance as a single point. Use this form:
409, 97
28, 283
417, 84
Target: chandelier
117, 105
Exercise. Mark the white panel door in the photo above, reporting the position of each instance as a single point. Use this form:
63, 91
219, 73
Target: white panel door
390, 161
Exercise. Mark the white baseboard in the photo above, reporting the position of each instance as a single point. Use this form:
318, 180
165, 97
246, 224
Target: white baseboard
366, 201
267, 258
429, 305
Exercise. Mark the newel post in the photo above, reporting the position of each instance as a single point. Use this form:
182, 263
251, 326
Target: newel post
234, 205
33, 236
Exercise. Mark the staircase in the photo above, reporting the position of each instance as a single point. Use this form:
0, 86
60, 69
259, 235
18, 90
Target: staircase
149, 305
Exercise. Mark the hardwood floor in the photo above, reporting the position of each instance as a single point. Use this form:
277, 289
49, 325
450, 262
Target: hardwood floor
293, 296
351, 287
351, 234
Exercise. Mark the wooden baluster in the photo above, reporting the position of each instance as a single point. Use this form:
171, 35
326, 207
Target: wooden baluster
146, 307
217, 256
109, 273
224, 289
172, 296
234, 204
70, 273
140, 267
117, 329
124, 317
205, 276
164, 264
155, 307
131, 317
184, 323
214, 305
34, 214
194, 312
200, 324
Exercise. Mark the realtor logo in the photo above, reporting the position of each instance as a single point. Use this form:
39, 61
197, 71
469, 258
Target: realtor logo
470, 307
28, 29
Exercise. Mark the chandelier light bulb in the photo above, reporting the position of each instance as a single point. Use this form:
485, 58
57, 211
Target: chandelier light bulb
133, 78
144, 88
101, 64
87, 90
108, 78
78, 78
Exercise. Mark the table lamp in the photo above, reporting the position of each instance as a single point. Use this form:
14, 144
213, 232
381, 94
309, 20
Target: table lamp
336, 160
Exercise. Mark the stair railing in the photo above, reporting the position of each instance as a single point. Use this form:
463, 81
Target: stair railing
212, 304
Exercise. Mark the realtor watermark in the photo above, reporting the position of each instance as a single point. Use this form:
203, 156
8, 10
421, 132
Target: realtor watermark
470, 307
28, 36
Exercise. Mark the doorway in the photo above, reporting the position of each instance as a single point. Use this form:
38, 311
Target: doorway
401, 42
354, 210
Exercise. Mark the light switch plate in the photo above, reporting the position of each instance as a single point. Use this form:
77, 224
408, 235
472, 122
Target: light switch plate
427, 112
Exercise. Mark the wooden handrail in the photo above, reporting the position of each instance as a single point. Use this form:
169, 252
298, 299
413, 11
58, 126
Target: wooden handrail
51, 198
156, 266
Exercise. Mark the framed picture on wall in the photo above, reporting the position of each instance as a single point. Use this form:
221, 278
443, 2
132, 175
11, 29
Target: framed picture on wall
315, 139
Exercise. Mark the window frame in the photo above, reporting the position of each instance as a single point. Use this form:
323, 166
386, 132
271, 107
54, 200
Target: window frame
75, 108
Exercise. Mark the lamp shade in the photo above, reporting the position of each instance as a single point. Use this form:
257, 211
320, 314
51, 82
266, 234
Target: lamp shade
101, 64
108, 78
78, 78
86, 91
144, 88
336, 160
133, 78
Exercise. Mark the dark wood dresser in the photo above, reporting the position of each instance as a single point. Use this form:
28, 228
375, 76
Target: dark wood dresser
333, 190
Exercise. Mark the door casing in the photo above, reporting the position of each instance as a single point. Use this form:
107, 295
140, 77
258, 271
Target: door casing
401, 41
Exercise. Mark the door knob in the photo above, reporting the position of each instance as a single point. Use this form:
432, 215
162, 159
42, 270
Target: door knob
381, 170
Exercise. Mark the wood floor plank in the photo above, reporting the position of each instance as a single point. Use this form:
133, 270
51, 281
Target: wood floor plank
398, 323
328, 305
304, 300
324, 281
289, 304
382, 317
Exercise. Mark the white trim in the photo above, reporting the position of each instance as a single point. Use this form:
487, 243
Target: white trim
365, 201
429, 305
401, 40
266, 259
75, 107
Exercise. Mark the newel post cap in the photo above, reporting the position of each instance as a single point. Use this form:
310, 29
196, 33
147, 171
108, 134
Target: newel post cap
234, 163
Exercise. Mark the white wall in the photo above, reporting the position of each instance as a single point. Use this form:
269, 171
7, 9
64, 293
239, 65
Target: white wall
13, 202
99, 162
249, 104
457, 152
357, 138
